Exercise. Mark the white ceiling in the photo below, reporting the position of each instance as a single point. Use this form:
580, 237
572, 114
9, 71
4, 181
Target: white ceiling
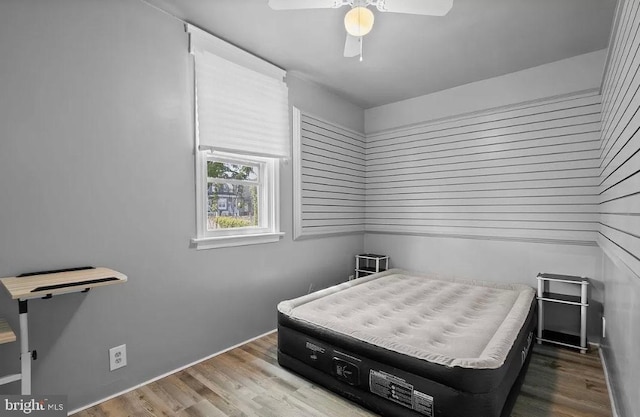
407, 55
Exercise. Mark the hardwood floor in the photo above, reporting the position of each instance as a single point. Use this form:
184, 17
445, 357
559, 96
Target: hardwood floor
248, 382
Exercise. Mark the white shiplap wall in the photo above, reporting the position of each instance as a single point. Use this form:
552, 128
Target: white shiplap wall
528, 172
329, 177
619, 233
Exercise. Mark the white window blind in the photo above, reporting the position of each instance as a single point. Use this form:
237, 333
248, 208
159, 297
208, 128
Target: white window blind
241, 101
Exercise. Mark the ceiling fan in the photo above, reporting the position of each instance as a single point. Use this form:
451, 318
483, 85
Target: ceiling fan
359, 20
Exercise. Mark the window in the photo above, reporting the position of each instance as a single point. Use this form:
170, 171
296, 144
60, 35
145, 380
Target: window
238, 203
242, 133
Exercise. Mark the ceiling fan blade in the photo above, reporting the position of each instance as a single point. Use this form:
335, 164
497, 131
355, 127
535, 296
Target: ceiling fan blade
304, 4
352, 46
425, 7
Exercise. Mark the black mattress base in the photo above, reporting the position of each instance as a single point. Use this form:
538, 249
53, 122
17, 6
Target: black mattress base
396, 392
458, 404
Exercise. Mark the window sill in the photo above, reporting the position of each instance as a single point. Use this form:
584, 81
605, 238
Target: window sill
238, 240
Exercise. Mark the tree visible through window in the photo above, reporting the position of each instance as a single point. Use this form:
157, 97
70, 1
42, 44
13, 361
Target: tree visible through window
233, 190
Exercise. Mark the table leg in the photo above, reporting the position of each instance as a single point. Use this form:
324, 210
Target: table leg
25, 354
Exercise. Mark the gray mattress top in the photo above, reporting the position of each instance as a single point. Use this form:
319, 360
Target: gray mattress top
450, 322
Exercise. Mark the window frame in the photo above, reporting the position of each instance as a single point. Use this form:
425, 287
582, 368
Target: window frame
268, 203
215, 59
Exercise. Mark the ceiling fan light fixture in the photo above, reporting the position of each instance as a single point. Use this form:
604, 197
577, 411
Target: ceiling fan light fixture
358, 21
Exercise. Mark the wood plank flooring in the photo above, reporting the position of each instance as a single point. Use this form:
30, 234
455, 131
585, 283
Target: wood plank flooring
248, 382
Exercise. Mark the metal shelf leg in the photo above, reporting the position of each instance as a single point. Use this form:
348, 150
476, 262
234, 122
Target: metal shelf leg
540, 311
583, 319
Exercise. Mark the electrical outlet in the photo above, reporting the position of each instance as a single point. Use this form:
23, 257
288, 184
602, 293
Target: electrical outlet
117, 357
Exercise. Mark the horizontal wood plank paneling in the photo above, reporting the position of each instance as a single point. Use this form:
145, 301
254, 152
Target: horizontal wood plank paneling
579, 133
628, 167
527, 173
329, 178
582, 159
620, 152
497, 216
504, 173
482, 122
477, 209
621, 189
568, 183
542, 235
624, 205
619, 208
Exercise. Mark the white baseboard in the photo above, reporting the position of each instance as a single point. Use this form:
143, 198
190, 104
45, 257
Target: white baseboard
170, 373
612, 399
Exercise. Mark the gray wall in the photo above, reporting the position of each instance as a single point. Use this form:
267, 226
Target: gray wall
620, 209
97, 167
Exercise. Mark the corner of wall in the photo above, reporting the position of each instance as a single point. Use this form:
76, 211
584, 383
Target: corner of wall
316, 99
